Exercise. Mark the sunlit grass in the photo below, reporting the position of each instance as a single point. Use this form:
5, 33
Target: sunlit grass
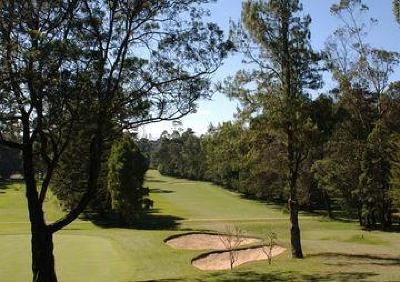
335, 251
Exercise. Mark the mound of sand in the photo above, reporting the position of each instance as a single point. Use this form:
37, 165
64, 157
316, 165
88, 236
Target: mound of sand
204, 241
221, 260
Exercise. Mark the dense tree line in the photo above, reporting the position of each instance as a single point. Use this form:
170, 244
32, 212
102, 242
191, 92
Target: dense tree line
335, 177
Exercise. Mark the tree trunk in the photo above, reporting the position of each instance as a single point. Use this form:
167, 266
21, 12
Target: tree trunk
295, 229
360, 212
42, 257
41, 240
328, 206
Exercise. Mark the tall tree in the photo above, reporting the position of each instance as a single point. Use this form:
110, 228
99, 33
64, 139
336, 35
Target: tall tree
275, 37
126, 61
126, 171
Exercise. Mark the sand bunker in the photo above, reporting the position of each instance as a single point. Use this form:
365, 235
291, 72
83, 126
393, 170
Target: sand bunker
204, 241
221, 260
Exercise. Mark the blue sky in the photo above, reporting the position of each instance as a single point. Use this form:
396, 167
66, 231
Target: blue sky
385, 35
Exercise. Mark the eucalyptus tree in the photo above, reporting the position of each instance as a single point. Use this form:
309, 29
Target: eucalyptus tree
125, 61
275, 39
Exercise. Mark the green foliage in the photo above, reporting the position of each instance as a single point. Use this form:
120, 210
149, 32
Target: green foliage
395, 171
70, 181
375, 178
356, 163
127, 167
181, 155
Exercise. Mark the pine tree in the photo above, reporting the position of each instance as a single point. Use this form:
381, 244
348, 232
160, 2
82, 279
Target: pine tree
375, 179
287, 67
127, 167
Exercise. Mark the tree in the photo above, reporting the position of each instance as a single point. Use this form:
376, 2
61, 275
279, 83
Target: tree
169, 155
270, 241
131, 62
395, 172
232, 238
276, 39
375, 179
71, 175
126, 170
396, 10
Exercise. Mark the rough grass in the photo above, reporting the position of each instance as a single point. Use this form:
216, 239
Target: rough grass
335, 251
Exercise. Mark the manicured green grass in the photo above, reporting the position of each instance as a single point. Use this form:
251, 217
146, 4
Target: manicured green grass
335, 251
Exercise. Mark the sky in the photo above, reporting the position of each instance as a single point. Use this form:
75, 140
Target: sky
386, 34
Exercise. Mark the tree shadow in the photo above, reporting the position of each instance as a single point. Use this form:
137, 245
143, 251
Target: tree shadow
395, 228
5, 184
252, 276
152, 220
361, 259
155, 221
277, 205
160, 191
154, 180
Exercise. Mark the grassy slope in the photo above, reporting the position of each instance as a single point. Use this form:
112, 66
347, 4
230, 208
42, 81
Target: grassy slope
336, 251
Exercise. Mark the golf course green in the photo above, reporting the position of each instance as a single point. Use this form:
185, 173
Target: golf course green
85, 251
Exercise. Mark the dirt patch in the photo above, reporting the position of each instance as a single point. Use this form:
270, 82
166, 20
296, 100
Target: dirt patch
221, 260
204, 241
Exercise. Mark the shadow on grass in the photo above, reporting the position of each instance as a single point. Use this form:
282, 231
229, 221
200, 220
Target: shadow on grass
150, 221
395, 228
6, 184
154, 179
275, 276
361, 259
160, 191
150, 180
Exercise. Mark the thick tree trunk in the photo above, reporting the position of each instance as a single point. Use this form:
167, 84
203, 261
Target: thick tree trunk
41, 240
295, 229
42, 257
